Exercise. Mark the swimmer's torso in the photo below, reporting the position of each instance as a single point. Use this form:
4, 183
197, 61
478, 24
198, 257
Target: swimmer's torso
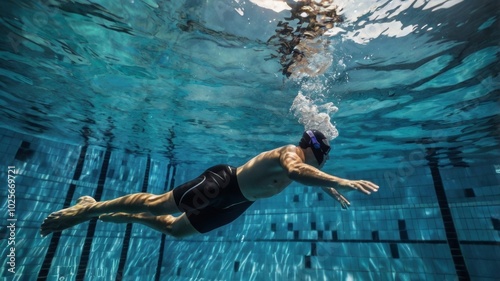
263, 176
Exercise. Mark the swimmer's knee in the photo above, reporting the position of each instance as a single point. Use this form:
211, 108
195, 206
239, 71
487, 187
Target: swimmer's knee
180, 227
153, 204
159, 204
173, 231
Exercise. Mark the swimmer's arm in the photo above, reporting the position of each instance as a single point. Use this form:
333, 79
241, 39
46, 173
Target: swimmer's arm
305, 174
308, 175
337, 196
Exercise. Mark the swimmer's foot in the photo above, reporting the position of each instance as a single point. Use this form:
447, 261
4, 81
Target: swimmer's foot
68, 217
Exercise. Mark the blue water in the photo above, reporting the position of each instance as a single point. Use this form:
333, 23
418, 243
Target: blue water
106, 98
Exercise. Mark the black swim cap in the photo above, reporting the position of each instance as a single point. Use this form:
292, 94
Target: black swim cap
314, 139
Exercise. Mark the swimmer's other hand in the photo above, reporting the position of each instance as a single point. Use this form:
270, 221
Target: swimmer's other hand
339, 197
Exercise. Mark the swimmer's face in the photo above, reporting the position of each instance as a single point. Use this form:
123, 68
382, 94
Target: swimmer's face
325, 147
322, 153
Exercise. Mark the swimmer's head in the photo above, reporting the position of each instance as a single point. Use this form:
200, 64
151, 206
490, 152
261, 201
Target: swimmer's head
317, 141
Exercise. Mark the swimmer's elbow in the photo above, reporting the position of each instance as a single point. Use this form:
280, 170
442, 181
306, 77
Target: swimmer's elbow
292, 174
304, 174
295, 173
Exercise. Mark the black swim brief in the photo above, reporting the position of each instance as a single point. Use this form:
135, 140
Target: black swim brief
213, 199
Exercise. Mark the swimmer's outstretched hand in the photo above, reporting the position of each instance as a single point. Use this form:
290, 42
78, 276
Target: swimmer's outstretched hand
339, 197
366, 187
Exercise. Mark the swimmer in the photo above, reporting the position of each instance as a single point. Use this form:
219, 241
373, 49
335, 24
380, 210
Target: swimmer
219, 195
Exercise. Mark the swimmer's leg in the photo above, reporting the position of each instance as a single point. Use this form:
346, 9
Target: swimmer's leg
174, 226
87, 208
52, 223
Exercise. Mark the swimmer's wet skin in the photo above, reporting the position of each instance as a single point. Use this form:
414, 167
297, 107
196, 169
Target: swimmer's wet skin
67, 218
219, 195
